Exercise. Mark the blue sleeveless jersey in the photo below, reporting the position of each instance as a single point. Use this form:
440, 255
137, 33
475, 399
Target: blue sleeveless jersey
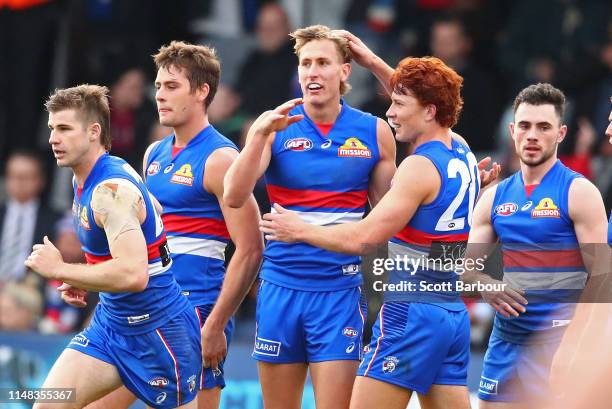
325, 180
540, 254
131, 313
197, 234
432, 243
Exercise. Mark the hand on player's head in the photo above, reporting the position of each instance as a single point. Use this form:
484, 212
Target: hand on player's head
361, 53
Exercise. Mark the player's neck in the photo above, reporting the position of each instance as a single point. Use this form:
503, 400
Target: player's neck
434, 133
83, 168
187, 131
323, 114
533, 175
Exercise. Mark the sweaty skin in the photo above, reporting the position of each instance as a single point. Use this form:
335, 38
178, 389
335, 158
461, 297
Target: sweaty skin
118, 208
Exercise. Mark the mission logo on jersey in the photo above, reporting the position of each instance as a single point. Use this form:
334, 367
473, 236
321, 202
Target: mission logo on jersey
546, 208
353, 148
183, 176
84, 219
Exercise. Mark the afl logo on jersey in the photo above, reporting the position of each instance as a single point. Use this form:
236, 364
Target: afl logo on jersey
299, 144
153, 168
506, 209
183, 176
353, 148
546, 208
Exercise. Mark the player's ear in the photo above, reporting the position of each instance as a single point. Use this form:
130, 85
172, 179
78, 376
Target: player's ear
511, 128
346, 71
430, 112
203, 92
94, 131
562, 133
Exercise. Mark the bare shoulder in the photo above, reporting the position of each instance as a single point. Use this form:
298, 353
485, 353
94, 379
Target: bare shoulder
418, 168
459, 138
221, 158
383, 132
114, 195
488, 195
583, 198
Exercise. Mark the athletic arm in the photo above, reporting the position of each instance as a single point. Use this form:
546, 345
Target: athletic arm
254, 159
242, 224
382, 174
587, 211
481, 241
119, 210
415, 182
368, 59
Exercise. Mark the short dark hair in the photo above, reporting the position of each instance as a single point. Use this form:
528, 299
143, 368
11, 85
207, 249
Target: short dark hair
200, 63
541, 94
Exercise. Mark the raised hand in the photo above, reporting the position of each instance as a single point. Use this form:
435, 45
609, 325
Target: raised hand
278, 119
488, 176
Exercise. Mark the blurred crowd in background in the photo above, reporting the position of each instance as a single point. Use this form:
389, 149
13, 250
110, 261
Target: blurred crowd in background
498, 46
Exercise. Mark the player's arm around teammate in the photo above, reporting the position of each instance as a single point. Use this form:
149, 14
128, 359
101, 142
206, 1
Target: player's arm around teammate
416, 181
383, 73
